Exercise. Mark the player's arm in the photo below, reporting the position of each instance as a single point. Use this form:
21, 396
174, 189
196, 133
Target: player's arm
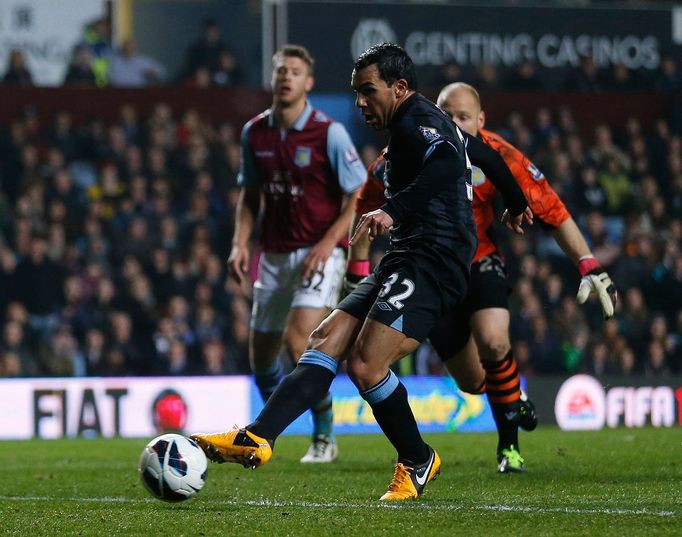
248, 207
553, 215
358, 265
323, 249
437, 172
496, 170
594, 279
441, 162
370, 198
348, 167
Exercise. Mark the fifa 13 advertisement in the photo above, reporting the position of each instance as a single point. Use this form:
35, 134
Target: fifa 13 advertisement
584, 402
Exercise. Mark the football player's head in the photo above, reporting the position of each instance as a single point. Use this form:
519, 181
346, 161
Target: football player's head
462, 102
292, 74
383, 77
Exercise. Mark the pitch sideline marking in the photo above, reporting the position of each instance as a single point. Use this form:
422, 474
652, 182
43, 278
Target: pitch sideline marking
349, 505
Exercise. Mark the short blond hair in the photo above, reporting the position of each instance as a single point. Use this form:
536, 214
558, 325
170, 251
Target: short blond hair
294, 51
447, 90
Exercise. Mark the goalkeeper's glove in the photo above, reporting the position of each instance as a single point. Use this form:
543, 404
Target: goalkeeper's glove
596, 280
356, 271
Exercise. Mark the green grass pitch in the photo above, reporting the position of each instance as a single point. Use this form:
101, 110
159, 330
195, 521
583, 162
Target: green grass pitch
612, 482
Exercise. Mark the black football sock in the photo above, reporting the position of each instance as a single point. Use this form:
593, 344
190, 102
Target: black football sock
388, 400
503, 386
303, 388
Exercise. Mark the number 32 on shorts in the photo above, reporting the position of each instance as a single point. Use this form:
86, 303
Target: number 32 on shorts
396, 299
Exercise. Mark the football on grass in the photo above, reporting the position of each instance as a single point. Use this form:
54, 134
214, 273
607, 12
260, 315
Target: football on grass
173, 468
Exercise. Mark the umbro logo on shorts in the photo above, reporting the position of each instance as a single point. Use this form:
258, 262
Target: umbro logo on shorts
384, 306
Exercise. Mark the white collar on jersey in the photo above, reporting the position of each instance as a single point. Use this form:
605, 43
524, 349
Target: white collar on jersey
300, 122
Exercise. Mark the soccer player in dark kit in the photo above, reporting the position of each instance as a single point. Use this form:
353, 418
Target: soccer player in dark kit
423, 276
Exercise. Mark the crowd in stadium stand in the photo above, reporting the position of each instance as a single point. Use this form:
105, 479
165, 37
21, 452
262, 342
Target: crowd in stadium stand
112, 259
624, 187
115, 235
208, 61
114, 247
96, 62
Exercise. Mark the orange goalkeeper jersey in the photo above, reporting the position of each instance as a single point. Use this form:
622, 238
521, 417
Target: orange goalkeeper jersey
371, 195
545, 203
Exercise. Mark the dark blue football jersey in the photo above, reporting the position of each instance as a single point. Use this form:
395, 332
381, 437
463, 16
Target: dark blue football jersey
431, 213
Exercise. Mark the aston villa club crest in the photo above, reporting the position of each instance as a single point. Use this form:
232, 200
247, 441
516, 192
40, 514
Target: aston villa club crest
477, 176
303, 156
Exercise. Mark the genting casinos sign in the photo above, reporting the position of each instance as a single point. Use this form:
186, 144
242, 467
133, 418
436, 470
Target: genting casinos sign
436, 33
583, 403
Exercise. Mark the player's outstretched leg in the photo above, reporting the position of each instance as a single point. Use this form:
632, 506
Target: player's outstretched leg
252, 445
418, 463
503, 388
409, 481
323, 448
236, 445
528, 419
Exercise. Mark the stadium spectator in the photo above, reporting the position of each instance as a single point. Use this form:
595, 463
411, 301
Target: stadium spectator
446, 74
656, 361
620, 79
487, 78
205, 51
93, 351
14, 343
627, 362
605, 147
213, 358
200, 78
124, 355
128, 121
589, 194
668, 77
544, 346
524, 78
586, 79
97, 37
178, 358
38, 285
574, 351
599, 361
61, 356
616, 185
227, 72
633, 319
17, 73
132, 70
80, 71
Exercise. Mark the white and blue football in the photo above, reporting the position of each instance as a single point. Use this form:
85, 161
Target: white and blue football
173, 468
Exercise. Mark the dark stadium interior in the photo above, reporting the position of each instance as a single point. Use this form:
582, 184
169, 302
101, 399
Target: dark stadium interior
117, 204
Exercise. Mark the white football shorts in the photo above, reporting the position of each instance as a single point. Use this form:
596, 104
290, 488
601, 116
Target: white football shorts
280, 286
